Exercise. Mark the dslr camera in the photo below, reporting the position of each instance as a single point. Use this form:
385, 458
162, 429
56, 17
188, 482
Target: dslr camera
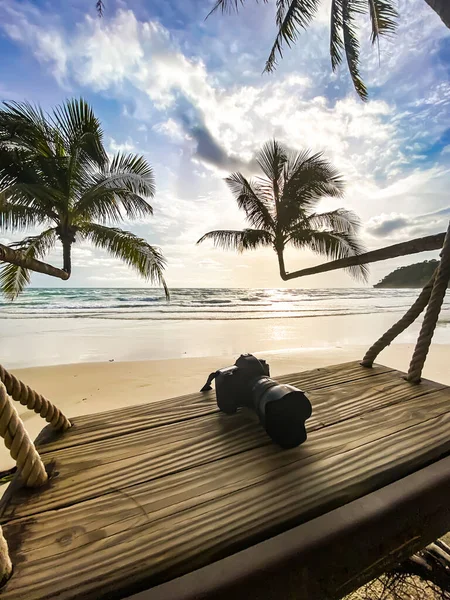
282, 409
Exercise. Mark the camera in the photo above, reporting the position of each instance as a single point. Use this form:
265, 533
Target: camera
282, 409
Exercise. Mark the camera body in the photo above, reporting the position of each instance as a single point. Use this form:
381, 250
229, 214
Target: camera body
282, 409
233, 384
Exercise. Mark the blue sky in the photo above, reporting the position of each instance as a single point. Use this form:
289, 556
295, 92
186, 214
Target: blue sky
189, 95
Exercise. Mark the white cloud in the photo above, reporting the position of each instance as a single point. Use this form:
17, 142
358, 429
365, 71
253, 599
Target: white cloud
394, 227
171, 129
124, 147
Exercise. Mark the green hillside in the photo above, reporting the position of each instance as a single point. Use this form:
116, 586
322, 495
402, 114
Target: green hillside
412, 276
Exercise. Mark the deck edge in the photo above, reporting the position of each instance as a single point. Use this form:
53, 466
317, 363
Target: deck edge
413, 510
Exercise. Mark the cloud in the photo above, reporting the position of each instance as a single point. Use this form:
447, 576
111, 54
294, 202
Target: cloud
207, 148
403, 227
386, 224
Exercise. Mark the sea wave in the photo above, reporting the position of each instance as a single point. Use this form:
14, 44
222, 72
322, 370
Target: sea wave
206, 304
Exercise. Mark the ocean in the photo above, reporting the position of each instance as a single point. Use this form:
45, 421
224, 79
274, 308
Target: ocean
205, 303
70, 325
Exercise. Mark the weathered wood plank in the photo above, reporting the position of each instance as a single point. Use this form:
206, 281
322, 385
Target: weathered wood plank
83, 472
143, 535
233, 473
137, 418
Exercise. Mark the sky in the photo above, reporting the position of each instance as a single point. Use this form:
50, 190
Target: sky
189, 95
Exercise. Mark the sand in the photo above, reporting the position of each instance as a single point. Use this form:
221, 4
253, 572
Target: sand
86, 388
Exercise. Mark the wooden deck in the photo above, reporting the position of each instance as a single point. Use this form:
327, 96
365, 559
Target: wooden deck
142, 495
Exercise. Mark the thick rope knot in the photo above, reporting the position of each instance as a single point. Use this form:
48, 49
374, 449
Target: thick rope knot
22, 393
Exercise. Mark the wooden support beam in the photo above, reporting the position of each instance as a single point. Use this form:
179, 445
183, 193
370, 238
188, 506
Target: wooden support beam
424, 244
18, 258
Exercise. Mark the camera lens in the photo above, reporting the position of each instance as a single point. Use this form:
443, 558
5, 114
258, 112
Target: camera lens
283, 410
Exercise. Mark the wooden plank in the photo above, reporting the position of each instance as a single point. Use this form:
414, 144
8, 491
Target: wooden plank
83, 472
137, 418
331, 555
143, 535
233, 473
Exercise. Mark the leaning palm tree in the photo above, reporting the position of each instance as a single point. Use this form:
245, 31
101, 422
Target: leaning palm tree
56, 174
294, 15
281, 208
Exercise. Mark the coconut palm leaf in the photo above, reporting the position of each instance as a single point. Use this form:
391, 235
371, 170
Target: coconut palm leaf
229, 5
333, 245
341, 220
24, 126
383, 16
250, 199
350, 8
79, 132
307, 178
14, 217
119, 187
129, 248
272, 158
292, 16
336, 41
248, 239
14, 279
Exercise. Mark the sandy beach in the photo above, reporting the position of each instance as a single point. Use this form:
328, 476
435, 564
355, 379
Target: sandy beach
85, 388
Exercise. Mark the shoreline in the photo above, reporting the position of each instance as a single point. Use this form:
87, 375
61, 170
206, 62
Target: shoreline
56, 341
90, 387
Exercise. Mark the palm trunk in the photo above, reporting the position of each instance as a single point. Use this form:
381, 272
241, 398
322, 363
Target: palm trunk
425, 244
281, 265
67, 256
15, 257
441, 8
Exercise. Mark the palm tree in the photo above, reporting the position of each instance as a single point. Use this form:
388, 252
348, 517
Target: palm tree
294, 15
280, 208
56, 174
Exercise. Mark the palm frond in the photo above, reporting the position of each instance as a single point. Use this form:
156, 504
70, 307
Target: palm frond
308, 178
15, 217
333, 245
248, 239
272, 158
340, 220
80, 131
14, 279
119, 187
134, 172
256, 207
336, 41
100, 7
351, 44
29, 151
25, 126
228, 6
383, 16
292, 15
147, 260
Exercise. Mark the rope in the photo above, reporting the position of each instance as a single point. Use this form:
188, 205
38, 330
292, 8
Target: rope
25, 395
396, 329
432, 314
5, 561
19, 444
